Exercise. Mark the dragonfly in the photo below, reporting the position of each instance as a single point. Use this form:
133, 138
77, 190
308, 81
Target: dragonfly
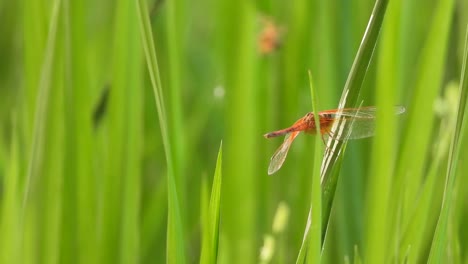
357, 123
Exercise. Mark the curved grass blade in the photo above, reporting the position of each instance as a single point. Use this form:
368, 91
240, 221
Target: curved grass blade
349, 98
301, 257
418, 233
415, 144
209, 252
312, 241
36, 154
430, 75
175, 243
439, 243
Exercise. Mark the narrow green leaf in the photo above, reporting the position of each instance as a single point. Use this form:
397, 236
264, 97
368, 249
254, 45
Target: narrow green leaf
419, 231
357, 257
241, 134
439, 244
175, 243
204, 219
416, 142
36, 154
209, 252
312, 239
130, 251
80, 180
384, 143
417, 135
301, 257
51, 180
315, 242
349, 98
10, 251
176, 56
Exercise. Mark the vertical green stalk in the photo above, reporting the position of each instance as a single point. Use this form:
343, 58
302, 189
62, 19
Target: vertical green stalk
175, 237
80, 174
40, 167
210, 238
349, 99
176, 48
384, 147
416, 142
427, 87
315, 243
123, 83
10, 228
34, 38
37, 64
294, 82
51, 180
36, 153
239, 227
439, 245
130, 225
325, 70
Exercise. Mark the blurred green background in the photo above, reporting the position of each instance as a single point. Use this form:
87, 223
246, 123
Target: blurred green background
83, 174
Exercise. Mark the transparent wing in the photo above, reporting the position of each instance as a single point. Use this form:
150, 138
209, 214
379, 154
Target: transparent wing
364, 112
356, 123
278, 158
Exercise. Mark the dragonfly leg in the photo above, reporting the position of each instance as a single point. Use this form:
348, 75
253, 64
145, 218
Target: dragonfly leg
327, 149
332, 135
323, 140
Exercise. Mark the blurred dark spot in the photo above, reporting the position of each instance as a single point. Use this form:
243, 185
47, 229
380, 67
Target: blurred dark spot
155, 7
101, 108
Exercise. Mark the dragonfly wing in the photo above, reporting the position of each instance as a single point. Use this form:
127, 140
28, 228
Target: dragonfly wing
351, 127
363, 112
278, 158
360, 128
357, 123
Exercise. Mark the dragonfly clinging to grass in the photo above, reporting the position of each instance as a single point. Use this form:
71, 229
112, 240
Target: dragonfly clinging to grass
358, 123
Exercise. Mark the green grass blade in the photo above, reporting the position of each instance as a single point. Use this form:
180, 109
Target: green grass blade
10, 251
204, 219
34, 43
44, 170
80, 180
241, 134
153, 218
36, 154
312, 238
115, 179
349, 99
301, 257
51, 183
416, 142
440, 240
130, 227
120, 180
420, 119
176, 48
315, 241
384, 148
209, 252
175, 243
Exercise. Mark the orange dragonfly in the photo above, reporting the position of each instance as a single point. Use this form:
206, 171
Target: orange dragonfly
358, 123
